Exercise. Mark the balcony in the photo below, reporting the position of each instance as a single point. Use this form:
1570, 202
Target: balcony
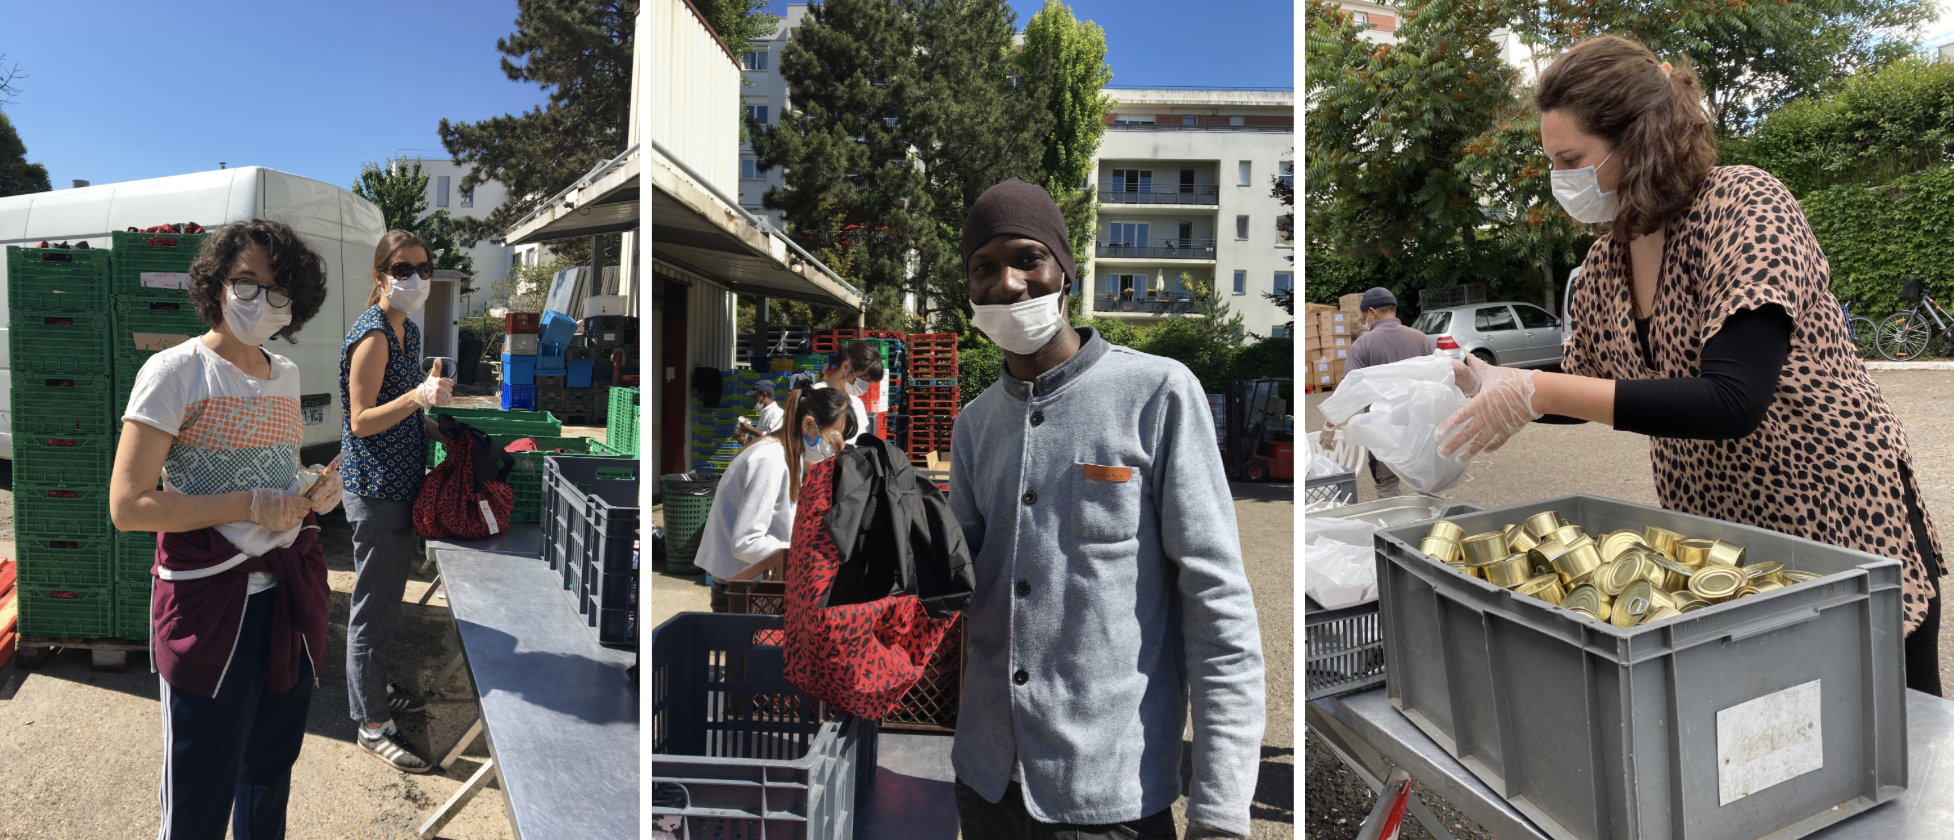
1196, 194
1156, 249
1145, 303
1261, 129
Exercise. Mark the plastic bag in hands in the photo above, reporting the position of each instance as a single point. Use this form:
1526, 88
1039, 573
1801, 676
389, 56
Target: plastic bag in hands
1407, 401
1339, 561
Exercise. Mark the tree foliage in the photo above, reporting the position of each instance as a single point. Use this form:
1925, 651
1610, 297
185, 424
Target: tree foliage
1876, 127
17, 176
580, 52
1064, 62
738, 22
1768, 54
401, 195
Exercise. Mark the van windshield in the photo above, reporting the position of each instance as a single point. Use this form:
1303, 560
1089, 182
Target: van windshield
1433, 323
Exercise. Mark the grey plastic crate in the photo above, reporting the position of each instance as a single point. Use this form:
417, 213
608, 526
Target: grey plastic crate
1599, 733
755, 756
1343, 649
1341, 485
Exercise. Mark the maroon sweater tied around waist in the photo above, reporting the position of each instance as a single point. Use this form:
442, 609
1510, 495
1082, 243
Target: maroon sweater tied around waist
196, 622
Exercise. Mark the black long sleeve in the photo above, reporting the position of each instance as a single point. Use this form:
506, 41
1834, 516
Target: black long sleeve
1741, 364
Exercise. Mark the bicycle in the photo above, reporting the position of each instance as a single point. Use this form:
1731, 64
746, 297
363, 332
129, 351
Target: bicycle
1861, 329
1908, 335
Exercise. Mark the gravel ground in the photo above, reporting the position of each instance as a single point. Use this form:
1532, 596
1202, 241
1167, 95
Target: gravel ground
1547, 461
1265, 514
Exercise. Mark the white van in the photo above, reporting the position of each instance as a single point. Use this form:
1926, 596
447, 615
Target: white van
343, 227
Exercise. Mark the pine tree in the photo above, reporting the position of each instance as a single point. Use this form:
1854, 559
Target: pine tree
17, 176
579, 51
401, 195
1064, 63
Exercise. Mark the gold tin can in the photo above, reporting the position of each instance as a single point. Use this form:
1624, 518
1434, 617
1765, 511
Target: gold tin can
1729, 554
1441, 549
1518, 540
1613, 544
1660, 613
1577, 561
1587, 599
1545, 587
1615, 578
1793, 577
1463, 569
1716, 583
1481, 549
1764, 586
1444, 530
1745, 591
1541, 524
1770, 570
1509, 572
1693, 553
1675, 575
1662, 540
1634, 605
1569, 534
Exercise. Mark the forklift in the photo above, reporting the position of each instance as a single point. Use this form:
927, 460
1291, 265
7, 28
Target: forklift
1258, 443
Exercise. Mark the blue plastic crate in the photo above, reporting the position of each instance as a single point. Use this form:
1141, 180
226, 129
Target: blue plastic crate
518, 397
551, 359
580, 372
556, 328
518, 370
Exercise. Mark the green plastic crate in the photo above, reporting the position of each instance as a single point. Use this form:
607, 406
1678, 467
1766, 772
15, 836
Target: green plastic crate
148, 316
526, 477
66, 611
135, 553
139, 253
60, 342
495, 421
621, 422
67, 560
55, 510
64, 461
132, 601
56, 278
61, 404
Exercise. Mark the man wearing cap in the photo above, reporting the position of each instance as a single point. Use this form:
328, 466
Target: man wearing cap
1385, 340
1111, 601
770, 413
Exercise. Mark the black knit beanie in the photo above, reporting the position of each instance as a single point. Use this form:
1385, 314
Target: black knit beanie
1016, 208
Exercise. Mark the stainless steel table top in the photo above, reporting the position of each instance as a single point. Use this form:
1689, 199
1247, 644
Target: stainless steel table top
523, 538
1925, 811
915, 789
561, 716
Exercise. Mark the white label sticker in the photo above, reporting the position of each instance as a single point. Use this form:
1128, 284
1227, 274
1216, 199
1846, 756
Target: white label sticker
164, 280
489, 517
1768, 740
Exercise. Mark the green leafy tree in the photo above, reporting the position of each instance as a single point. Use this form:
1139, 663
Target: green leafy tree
401, 194
580, 52
738, 22
1768, 54
17, 176
1877, 127
1064, 62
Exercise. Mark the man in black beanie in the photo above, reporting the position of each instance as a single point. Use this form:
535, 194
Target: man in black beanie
1111, 600
1386, 340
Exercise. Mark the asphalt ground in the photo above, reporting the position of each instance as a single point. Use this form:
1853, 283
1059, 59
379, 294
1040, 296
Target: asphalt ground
81, 752
1265, 514
1546, 461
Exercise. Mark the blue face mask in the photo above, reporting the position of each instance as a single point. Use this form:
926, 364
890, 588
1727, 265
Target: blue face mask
815, 449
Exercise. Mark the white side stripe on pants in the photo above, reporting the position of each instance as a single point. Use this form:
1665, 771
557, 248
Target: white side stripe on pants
165, 788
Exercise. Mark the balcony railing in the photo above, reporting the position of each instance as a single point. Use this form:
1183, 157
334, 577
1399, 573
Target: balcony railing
1264, 129
1161, 249
1209, 194
1165, 303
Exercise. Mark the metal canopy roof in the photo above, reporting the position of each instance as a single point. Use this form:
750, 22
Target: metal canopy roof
604, 201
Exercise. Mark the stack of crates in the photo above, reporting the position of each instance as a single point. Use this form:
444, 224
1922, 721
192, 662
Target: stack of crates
830, 341
621, 421
590, 541
519, 343
1218, 406
931, 395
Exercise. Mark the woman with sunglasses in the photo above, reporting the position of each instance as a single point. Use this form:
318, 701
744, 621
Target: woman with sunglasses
384, 441
239, 600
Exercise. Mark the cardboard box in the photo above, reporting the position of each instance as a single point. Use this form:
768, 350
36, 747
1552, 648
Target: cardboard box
1311, 344
1349, 302
1341, 342
1317, 308
1323, 371
1337, 369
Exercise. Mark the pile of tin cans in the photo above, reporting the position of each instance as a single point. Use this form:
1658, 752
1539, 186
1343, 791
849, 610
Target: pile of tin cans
1626, 578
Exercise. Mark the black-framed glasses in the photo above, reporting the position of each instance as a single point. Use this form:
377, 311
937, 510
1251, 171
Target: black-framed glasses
249, 290
402, 271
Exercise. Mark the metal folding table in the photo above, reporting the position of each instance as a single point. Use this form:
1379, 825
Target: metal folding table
1372, 738
915, 794
560, 714
525, 539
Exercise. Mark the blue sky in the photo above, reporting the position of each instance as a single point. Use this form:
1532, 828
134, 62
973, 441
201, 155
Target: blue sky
317, 89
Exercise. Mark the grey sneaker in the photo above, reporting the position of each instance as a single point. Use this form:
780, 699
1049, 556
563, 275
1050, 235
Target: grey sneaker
390, 746
402, 700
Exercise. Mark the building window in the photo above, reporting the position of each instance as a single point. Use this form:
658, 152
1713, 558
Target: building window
1284, 281
751, 170
441, 191
1237, 121
1286, 172
468, 198
1241, 228
1187, 120
755, 60
1132, 180
1362, 19
1130, 119
1246, 169
757, 113
1241, 282
1278, 332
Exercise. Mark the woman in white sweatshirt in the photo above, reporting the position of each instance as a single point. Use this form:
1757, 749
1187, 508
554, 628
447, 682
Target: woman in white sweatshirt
752, 514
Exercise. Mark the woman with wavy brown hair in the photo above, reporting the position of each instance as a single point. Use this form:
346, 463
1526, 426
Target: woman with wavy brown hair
1704, 319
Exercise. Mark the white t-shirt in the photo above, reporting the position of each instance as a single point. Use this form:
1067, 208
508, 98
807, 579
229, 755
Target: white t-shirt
752, 513
770, 418
233, 432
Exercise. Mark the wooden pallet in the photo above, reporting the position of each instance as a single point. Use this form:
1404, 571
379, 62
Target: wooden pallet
106, 655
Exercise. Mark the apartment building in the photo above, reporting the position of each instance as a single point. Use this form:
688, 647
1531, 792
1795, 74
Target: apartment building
492, 261
1183, 179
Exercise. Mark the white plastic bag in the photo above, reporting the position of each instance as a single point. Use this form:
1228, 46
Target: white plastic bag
1320, 465
1339, 561
1407, 401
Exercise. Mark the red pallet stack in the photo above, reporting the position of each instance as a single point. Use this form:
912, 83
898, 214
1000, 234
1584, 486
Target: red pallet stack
932, 395
830, 341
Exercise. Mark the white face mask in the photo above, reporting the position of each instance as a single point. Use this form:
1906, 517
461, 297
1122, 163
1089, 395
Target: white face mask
408, 295
1579, 193
1024, 327
254, 321
858, 388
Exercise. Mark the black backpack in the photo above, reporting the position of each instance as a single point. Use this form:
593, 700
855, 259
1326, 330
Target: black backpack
895, 533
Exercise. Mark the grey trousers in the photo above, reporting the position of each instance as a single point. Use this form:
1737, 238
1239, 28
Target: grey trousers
1387, 481
385, 550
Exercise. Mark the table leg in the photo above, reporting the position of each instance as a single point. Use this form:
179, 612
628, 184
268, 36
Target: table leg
455, 803
1370, 766
429, 562
431, 589
474, 731
441, 679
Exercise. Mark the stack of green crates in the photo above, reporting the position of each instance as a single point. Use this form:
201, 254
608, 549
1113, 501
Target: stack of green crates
526, 477
621, 424
151, 305
496, 423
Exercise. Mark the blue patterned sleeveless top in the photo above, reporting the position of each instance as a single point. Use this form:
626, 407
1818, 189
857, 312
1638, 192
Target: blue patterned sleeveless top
388, 465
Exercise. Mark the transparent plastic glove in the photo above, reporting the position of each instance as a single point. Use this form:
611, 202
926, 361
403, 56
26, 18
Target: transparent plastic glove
1501, 405
325, 493
277, 510
1465, 378
433, 392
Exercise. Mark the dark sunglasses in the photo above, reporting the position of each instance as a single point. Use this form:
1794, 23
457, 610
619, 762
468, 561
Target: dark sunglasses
402, 271
248, 290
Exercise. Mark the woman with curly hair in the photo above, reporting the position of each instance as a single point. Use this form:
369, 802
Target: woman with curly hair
238, 607
384, 441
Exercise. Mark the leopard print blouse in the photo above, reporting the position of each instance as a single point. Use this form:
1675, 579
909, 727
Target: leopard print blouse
1830, 462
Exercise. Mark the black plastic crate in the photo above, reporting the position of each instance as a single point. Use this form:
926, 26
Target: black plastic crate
579, 493
1336, 489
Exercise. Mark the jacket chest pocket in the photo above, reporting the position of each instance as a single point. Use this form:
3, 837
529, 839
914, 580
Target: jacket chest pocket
1105, 502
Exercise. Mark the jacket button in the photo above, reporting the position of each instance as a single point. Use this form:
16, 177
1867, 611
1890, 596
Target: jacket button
1020, 677
1030, 497
1037, 418
1023, 589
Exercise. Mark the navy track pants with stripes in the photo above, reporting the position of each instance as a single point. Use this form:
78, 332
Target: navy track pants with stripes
229, 758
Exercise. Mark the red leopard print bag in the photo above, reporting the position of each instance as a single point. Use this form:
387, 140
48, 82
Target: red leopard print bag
862, 658
454, 503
